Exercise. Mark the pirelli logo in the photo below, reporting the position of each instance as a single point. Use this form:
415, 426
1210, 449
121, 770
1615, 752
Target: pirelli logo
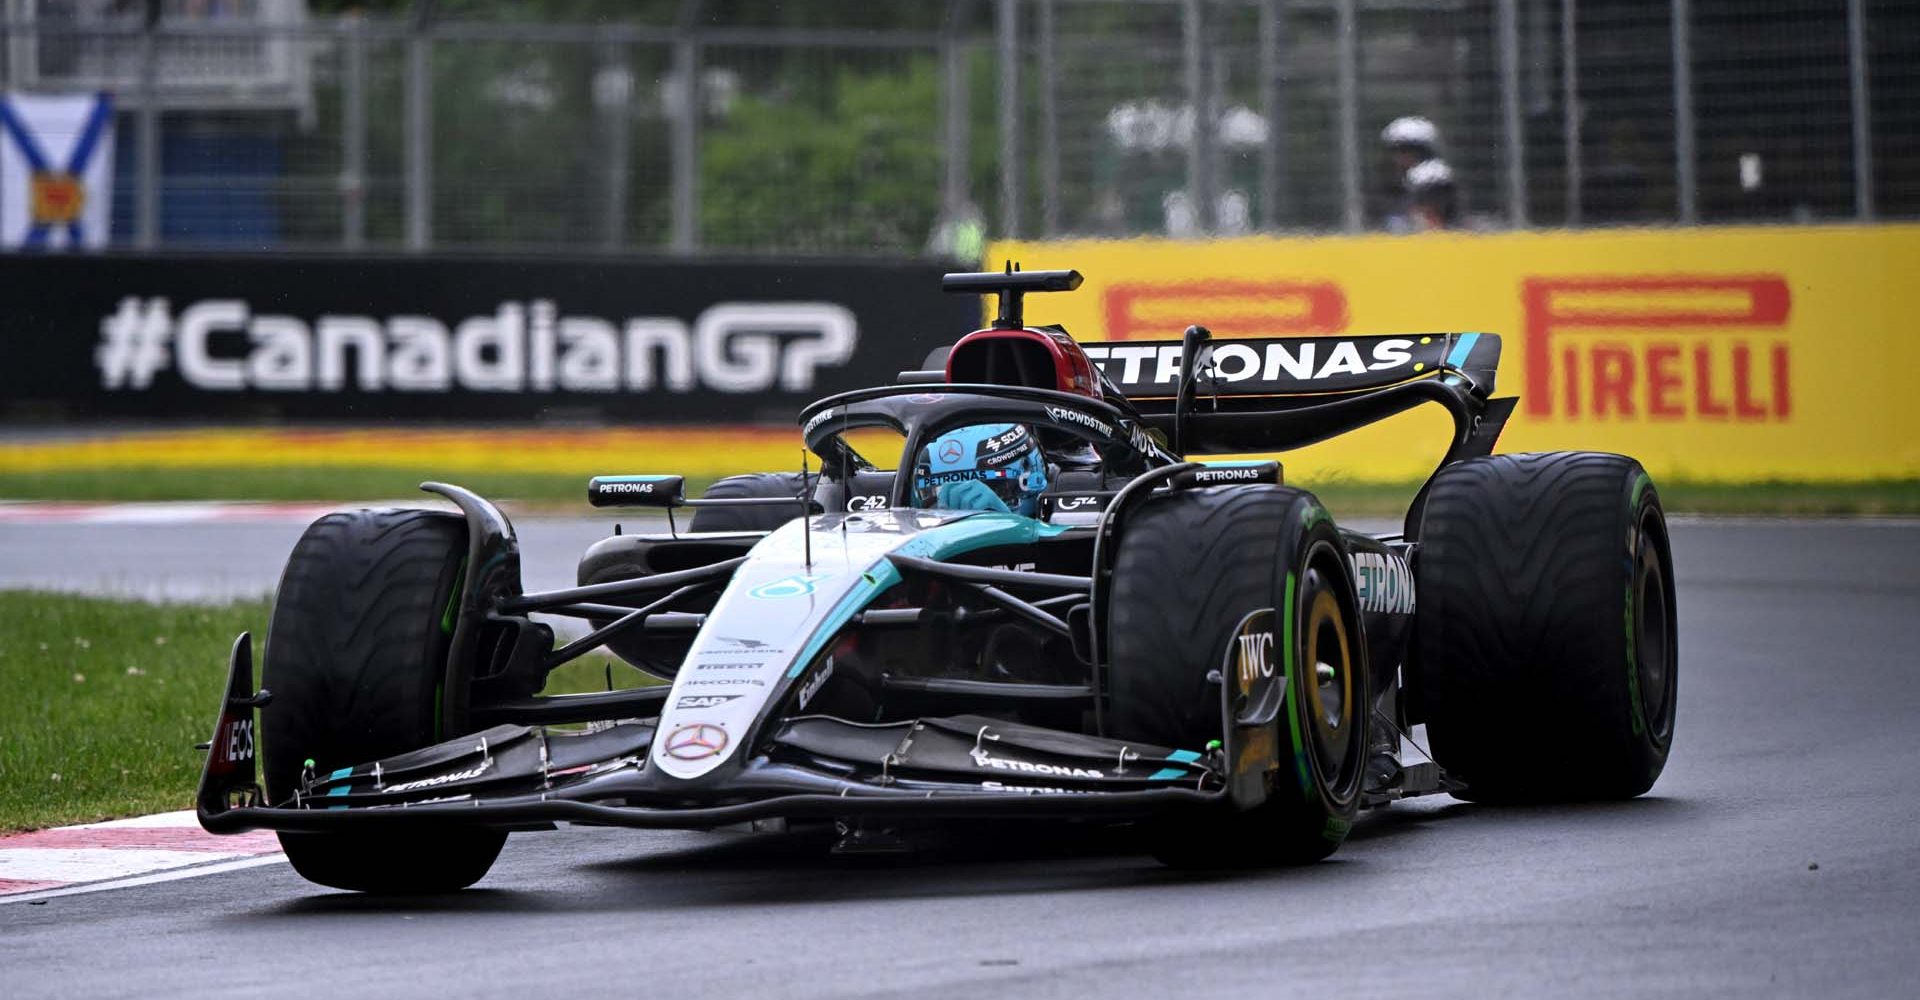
1659, 348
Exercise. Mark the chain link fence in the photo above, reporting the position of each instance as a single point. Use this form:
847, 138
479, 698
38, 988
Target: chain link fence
828, 128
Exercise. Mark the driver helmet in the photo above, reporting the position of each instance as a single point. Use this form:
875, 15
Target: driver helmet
982, 467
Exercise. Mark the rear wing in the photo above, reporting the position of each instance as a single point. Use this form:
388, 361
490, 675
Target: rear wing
1272, 394
1143, 370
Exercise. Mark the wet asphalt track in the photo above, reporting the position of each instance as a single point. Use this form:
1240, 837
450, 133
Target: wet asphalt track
198, 561
1799, 692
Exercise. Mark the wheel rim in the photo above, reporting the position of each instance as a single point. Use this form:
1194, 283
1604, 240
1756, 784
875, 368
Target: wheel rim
1653, 634
1329, 655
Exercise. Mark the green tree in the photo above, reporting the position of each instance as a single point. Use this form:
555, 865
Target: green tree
856, 172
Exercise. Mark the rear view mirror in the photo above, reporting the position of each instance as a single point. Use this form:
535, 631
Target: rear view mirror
1228, 473
636, 491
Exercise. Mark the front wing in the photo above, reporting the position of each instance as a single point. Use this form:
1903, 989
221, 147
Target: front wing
530, 777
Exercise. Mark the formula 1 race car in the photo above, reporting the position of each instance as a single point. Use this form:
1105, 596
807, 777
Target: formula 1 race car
1005, 594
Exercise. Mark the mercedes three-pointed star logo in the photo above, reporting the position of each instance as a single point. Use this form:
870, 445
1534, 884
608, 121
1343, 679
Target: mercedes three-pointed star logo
696, 741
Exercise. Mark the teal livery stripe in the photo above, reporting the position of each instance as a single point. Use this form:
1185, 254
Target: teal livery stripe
1177, 757
339, 789
1461, 348
944, 542
878, 577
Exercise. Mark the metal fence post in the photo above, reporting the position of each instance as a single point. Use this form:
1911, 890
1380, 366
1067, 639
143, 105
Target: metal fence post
1273, 151
1570, 107
1862, 109
146, 233
353, 135
1683, 156
1347, 60
613, 100
1009, 28
1515, 139
1537, 90
1200, 106
685, 140
1049, 126
957, 101
419, 135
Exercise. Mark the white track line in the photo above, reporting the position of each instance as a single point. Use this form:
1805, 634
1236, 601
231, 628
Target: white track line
184, 512
98, 864
128, 883
178, 819
119, 852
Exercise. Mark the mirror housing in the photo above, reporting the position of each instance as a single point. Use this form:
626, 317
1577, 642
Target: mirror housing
637, 491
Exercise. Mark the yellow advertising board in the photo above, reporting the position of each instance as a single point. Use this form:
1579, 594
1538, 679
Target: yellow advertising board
1709, 354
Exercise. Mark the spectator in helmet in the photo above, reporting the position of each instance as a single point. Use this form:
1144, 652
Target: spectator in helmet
1431, 201
1424, 198
995, 467
1411, 140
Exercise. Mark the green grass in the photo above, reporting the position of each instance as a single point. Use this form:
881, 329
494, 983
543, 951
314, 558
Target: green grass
557, 490
105, 699
104, 702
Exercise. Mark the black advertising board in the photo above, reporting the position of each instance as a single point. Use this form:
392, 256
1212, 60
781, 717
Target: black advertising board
339, 339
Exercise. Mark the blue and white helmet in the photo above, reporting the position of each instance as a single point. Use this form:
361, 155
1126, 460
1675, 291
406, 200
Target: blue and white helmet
982, 467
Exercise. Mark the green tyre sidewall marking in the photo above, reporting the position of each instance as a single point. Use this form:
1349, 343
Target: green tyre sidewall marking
1635, 705
451, 613
1633, 667
447, 619
1293, 692
1316, 795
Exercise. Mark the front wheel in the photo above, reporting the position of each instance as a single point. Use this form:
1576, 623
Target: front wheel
356, 659
1191, 567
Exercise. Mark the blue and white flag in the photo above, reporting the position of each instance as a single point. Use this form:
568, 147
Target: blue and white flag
56, 170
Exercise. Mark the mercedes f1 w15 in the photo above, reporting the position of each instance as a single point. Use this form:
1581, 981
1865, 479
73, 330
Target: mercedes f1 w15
1006, 593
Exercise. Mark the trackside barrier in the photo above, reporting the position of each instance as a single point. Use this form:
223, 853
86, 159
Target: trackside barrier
371, 339
1711, 354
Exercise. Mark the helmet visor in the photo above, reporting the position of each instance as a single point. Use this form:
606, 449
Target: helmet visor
982, 467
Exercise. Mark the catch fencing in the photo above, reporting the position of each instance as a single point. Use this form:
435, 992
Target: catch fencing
832, 128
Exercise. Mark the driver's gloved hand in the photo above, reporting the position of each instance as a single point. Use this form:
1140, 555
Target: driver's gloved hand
970, 495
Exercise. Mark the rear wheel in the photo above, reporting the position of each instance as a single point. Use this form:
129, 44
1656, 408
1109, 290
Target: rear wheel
1546, 636
1190, 568
356, 657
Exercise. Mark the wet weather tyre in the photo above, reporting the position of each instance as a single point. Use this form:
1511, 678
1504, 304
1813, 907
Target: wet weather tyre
757, 485
1190, 567
356, 658
1545, 632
